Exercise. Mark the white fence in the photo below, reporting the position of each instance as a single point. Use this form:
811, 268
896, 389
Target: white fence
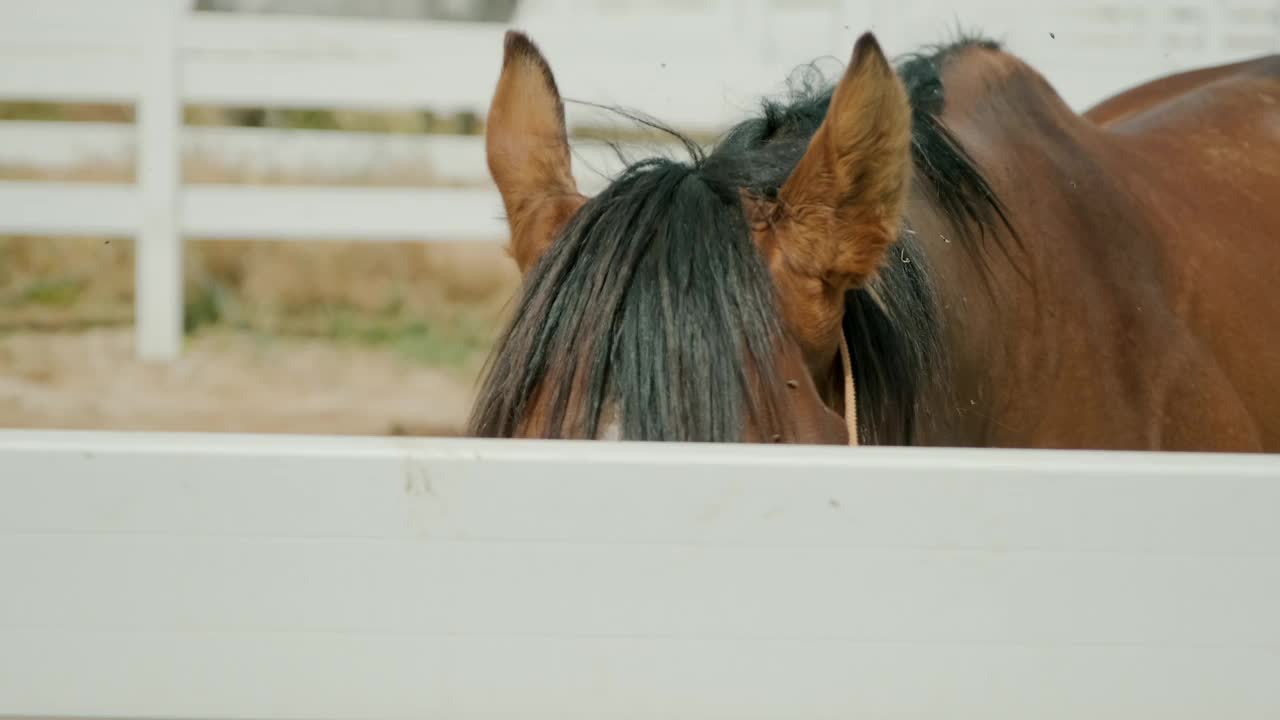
190, 576
200, 577
696, 64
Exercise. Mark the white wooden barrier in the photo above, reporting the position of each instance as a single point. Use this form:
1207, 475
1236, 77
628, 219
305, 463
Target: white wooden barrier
252, 153
229, 577
696, 65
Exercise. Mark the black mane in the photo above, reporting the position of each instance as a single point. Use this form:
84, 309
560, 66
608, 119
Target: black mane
654, 292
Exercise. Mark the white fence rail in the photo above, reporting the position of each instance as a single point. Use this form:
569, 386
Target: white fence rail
190, 576
256, 153
693, 64
236, 211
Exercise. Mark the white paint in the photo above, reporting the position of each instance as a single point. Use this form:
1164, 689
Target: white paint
231, 211
223, 576
158, 305
257, 153
238, 211
92, 209
690, 80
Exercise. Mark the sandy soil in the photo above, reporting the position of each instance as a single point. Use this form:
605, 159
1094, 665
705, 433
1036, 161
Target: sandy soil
225, 382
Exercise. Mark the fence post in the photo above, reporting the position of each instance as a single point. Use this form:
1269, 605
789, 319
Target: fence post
158, 306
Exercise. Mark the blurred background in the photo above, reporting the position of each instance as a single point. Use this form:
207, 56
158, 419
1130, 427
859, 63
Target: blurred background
341, 264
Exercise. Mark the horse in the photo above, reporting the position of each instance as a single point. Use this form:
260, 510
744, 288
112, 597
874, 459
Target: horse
931, 251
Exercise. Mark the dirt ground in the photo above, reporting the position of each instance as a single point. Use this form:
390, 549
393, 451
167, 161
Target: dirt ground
225, 382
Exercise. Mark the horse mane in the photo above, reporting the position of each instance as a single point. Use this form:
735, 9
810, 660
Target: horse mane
654, 292
647, 301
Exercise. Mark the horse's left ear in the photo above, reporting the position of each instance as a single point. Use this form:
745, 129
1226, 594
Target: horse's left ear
841, 207
527, 149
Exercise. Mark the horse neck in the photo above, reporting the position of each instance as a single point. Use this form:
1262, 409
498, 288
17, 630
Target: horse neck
1017, 311
970, 293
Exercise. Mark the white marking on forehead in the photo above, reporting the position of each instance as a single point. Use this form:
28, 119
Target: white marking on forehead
611, 431
610, 425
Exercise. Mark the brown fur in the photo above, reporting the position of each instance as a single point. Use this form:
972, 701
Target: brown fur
1151, 321
840, 210
1139, 311
528, 151
1148, 95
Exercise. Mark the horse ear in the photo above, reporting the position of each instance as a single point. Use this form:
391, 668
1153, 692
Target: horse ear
845, 196
527, 150
841, 207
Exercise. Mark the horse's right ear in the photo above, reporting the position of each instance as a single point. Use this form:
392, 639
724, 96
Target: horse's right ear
527, 149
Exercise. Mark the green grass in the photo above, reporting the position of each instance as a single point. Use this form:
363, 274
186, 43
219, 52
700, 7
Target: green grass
455, 340
32, 111
55, 292
207, 307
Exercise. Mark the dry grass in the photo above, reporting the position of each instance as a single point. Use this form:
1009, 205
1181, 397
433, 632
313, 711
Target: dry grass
70, 112
454, 292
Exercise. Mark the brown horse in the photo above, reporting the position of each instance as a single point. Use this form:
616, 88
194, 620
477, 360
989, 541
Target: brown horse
1003, 270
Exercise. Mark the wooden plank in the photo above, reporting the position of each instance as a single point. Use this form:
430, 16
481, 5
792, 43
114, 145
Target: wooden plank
203, 576
697, 78
398, 489
158, 252
93, 209
260, 212
348, 213
587, 587
347, 676
91, 77
287, 154
63, 146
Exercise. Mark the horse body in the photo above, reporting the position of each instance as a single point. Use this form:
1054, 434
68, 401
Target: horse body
1147, 316
1156, 91
1006, 272
1211, 157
